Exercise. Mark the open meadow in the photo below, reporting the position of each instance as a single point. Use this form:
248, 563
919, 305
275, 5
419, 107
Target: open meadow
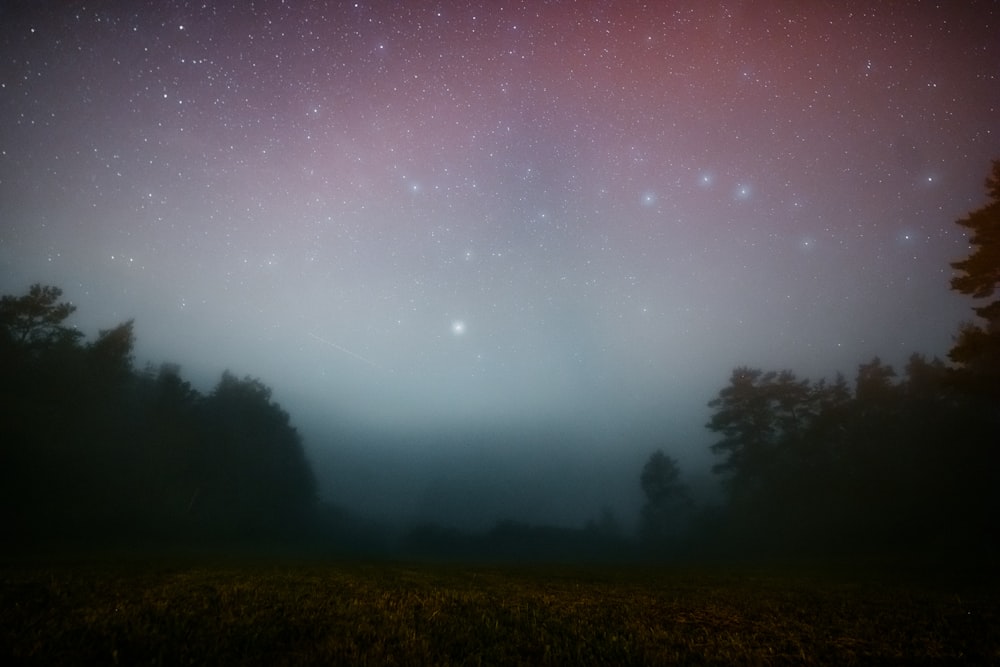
217, 612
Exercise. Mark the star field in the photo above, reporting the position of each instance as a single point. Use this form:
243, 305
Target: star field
457, 211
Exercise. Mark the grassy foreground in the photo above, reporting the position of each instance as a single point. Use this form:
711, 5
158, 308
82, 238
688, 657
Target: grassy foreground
397, 614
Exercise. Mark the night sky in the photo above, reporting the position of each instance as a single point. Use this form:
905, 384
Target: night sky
467, 217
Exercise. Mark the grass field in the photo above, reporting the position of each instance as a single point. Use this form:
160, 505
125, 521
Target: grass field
264, 613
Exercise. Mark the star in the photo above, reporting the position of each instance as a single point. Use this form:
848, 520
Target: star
458, 327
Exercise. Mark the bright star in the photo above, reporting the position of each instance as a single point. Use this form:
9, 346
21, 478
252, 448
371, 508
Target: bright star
458, 327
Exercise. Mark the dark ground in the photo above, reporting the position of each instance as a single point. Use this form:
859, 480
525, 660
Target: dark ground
282, 611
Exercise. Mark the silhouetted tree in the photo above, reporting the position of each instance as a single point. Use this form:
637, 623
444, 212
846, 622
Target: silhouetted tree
832, 403
667, 500
111, 354
981, 270
743, 416
977, 347
168, 438
873, 427
874, 385
254, 474
42, 389
974, 436
926, 381
755, 414
36, 319
172, 392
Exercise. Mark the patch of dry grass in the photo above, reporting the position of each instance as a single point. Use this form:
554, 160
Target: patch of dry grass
395, 614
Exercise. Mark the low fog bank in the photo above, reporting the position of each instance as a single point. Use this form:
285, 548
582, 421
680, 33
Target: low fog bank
470, 477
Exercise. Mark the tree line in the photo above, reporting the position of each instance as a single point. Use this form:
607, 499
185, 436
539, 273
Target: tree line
94, 449
889, 463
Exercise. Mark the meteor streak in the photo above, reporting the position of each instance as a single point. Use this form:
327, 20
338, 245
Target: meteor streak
344, 350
